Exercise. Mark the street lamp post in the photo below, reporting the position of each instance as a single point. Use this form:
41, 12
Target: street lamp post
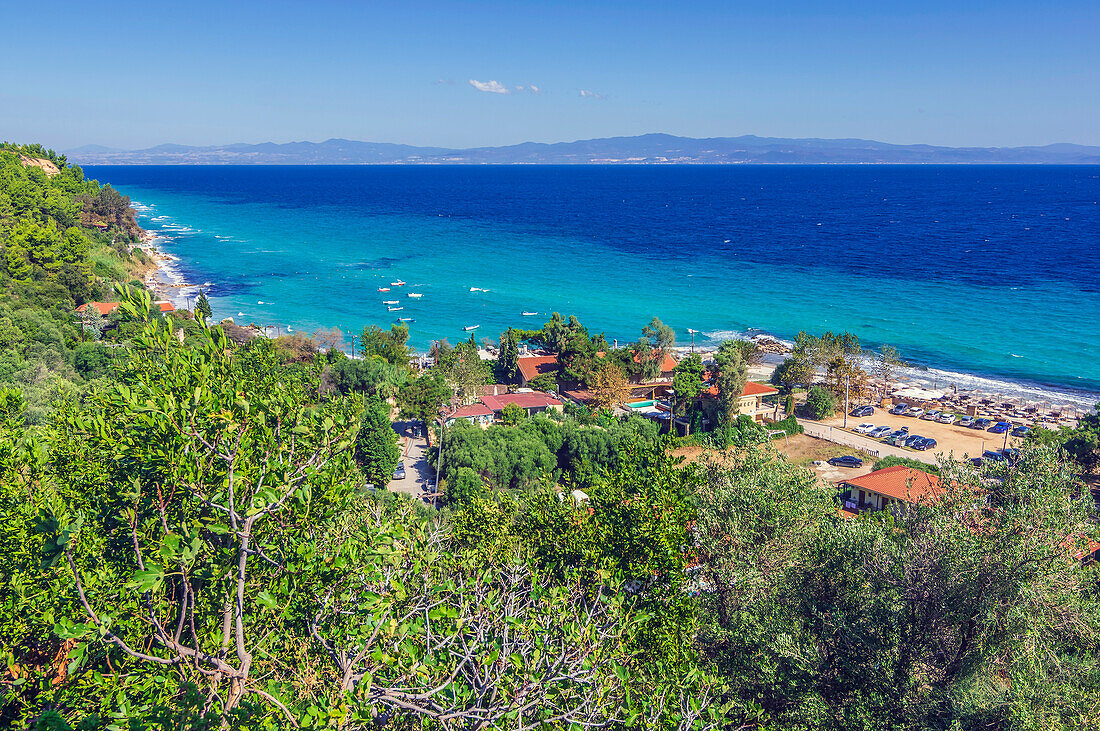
672, 410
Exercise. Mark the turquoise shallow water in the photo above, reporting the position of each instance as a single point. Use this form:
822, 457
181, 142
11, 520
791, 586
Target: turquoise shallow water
992, 271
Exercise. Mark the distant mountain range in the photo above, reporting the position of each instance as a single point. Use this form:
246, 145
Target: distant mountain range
643, 149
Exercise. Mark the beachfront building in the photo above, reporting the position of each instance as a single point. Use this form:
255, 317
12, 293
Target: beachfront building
751, 402
888, 487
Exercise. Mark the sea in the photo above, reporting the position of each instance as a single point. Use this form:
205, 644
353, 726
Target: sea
982, 276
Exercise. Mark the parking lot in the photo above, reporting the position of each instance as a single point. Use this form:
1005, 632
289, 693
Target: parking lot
951, 439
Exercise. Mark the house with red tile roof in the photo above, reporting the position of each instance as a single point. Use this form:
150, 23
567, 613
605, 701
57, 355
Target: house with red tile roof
103, 308
478, 414
533, 366
106, 308
889, 486
532, 402
751, 403
667, 364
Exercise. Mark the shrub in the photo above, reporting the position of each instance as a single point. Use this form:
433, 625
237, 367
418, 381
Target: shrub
820, 403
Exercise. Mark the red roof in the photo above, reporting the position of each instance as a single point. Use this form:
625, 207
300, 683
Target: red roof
523, 400
537, 365
899, 482
465, 412
104, 308
667, 365
165, 306
750, 389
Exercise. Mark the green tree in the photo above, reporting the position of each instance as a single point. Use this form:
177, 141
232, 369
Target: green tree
512, 415
820, 403
376, 445
732, 373
508, 360
202, 307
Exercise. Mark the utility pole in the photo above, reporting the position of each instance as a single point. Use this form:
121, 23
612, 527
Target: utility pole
692, 333
847, 378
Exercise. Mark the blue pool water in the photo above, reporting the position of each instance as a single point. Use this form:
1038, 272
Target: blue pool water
986, 269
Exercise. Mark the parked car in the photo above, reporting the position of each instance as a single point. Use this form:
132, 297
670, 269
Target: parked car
880, 431
899, 409
864, 428
946, 418
930, 415
926, 443
967, 421
912, 440
977, 461
914, 412
896, 440
1020, 431
846, 461
991, 455
1001, 427
981, 424
902, 432
1011, 454
399, 473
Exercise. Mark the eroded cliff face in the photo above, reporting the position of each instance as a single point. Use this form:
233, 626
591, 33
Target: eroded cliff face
39, 162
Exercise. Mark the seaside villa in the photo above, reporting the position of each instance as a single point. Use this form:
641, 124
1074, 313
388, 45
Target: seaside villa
888, 487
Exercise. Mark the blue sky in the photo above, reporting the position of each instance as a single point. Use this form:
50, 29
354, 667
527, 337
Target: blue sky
952, 73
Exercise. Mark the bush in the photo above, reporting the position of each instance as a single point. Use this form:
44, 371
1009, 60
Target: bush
790, 426
916, 464
820, 403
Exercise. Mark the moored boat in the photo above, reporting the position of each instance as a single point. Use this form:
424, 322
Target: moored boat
389, 302
468, 328
415, 295
383, 289
398, 283
528, 314
395, 309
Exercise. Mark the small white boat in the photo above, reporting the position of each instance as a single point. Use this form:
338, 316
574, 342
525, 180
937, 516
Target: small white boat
528, 314
383, 289
468, 328
478, 289
395, 309
405, 319
415, 295
398, 283
389, 302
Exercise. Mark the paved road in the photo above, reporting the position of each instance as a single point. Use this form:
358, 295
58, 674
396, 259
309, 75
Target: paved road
417, 469
840, 436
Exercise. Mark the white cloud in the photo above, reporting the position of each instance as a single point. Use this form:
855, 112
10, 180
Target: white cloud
588, 94
534, 89
493, 87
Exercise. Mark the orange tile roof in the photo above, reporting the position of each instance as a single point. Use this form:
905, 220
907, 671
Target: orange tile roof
523, 400
463, 412
165, 306
750, 389
898, 482
104, 308
533, 366
667, 365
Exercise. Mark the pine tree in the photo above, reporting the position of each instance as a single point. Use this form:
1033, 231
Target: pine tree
202, 307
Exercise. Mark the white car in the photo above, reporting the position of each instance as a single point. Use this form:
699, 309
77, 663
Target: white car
864, 428
914, 412
946, 418
931, 415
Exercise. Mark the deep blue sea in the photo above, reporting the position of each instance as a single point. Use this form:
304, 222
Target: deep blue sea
988, 270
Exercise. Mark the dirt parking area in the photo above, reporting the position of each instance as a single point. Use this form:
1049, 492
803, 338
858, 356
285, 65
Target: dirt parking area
950, 439
804, 451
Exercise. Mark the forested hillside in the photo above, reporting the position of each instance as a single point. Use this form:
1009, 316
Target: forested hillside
54, 258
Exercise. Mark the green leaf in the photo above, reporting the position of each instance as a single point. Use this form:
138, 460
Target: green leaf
267, 600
